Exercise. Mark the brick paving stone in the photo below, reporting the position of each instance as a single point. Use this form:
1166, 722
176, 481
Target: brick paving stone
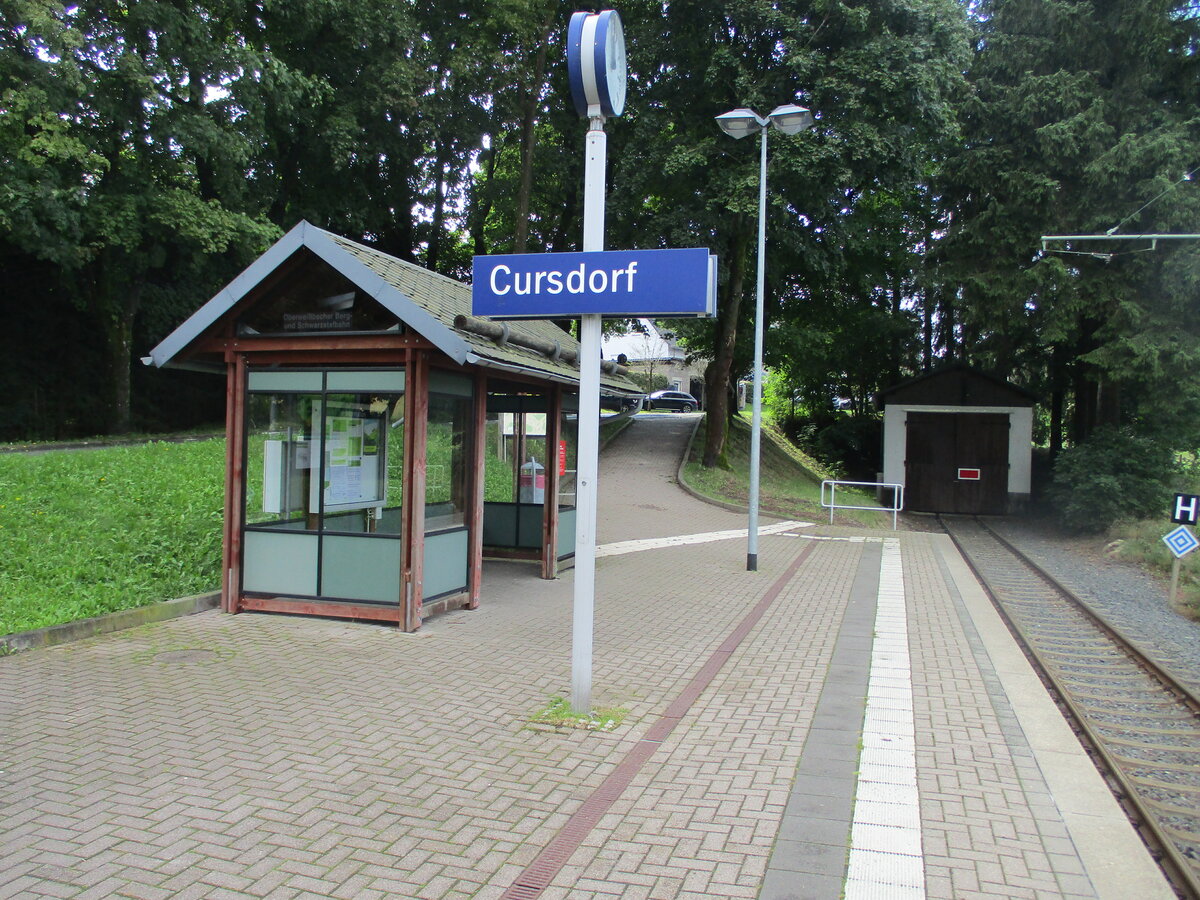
338, 759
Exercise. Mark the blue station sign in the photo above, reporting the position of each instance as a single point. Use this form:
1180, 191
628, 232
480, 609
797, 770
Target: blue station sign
626, 283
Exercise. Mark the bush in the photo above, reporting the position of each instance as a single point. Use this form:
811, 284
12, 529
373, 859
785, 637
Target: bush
1114, 475
853, 445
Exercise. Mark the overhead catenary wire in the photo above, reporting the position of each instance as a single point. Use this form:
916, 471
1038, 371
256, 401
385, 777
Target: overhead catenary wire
1187, 176
1113, 233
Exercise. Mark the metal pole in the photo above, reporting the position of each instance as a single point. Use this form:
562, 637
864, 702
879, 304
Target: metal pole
583, 611
756, 418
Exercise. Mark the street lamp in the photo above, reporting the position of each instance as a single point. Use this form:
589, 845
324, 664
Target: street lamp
738, 123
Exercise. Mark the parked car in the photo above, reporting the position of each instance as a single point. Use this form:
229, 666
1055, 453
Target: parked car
620, 403
679, 400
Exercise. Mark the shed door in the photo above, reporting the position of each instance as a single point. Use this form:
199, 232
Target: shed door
938, 445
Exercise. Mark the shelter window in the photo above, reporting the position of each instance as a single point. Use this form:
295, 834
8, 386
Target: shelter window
325, 451
448, 439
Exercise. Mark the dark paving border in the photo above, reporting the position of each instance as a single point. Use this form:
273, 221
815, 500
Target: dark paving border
809, 857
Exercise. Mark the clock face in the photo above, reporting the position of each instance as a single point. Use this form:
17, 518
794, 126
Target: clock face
614, 57
596, 62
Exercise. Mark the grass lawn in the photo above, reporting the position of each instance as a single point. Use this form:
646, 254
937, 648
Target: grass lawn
789, 481
90, 532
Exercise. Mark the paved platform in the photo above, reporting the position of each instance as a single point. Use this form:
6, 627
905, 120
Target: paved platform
851, 720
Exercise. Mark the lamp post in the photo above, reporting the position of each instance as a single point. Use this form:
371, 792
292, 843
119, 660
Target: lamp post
738, 123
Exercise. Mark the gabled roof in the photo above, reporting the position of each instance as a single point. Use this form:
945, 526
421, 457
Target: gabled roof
957, 384
425, 301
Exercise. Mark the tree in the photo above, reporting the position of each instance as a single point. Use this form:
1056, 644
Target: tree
124, 170
880, 77
1081, 112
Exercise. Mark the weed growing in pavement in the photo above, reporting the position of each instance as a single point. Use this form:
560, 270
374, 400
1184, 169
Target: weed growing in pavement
558, 713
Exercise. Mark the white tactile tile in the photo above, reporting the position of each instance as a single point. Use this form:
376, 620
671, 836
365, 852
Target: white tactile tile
894, 870
883, 792
885, 841
898, 815
901, 774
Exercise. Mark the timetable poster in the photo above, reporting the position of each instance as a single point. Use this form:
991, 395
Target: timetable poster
352, 461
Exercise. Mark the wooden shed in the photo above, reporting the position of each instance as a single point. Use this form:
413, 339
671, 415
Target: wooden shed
960, 441
380, 440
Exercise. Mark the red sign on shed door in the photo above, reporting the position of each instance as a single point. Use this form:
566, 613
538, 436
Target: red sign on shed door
968, 474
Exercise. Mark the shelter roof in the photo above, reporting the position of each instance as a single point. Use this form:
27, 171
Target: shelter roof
424, 301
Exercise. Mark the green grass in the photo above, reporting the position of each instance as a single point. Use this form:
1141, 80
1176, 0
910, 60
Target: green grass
87, 533
789, 481
1141, 544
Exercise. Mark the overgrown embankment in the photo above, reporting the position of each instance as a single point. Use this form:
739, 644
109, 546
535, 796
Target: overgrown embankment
789, 480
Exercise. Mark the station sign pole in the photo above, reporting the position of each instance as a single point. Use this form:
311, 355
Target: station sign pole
591, 284
596, 64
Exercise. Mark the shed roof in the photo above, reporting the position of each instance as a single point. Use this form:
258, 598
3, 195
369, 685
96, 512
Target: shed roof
425, 301
957, 384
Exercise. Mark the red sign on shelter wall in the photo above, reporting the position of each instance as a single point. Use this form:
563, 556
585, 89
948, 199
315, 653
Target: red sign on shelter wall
562, 458
968, 474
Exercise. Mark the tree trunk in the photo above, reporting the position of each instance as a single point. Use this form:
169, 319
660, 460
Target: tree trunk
1058, 381
482, 200
439, 206
946, 321
528, 120
118, 332
1085, 384
716, 375
1109, 403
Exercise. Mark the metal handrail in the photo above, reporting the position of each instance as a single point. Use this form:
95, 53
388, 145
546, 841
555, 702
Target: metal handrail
897, 497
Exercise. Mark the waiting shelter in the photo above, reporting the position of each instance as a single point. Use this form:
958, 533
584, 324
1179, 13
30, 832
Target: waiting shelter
381, 440
960, 441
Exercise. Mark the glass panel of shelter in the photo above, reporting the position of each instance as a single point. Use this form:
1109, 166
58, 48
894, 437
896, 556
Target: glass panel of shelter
516, 465
325, 453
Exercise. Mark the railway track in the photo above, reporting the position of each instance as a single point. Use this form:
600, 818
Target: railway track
1141, 723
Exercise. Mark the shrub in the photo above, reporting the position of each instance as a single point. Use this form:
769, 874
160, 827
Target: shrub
853, 445
1114, 475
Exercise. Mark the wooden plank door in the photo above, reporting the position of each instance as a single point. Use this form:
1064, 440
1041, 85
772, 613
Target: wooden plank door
939, 445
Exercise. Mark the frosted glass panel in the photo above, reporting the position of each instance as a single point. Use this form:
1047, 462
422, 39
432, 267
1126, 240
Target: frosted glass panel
278, 562
361, 568
445, 563
357, 382
285, 381
566, 532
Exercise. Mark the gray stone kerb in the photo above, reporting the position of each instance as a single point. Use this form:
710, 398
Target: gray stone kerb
53, 635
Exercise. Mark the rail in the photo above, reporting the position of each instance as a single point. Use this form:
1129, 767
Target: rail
897, 497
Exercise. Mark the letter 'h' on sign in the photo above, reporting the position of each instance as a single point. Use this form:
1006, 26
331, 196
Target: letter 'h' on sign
1187, 509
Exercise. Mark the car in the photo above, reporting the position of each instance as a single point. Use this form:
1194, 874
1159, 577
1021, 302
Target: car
679, 400
621, 403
